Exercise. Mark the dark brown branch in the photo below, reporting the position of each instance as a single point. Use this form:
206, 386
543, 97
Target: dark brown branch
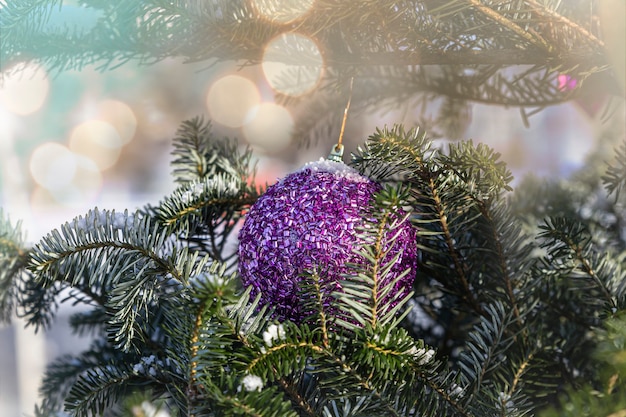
499, 57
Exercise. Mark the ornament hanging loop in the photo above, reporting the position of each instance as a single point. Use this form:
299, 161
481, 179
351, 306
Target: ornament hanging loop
336, 153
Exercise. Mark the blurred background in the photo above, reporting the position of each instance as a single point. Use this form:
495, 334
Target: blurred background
74, 140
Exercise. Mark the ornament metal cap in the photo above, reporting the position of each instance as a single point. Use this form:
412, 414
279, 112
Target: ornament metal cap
336, 153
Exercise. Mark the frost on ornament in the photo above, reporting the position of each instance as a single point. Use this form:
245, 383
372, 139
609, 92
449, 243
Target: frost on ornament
308, 221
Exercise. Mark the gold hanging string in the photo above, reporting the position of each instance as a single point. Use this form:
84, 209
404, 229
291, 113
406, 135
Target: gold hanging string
336, 153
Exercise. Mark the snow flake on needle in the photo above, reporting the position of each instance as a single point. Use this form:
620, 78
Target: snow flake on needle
422, 355
251, 383
95, 218
273, 332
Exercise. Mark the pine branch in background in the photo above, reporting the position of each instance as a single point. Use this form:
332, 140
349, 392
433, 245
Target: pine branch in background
570, 252
452, 52
13, 260
481, 361
608, 397
615, 178
158, 25
98, 389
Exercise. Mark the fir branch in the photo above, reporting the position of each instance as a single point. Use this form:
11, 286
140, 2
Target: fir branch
194, 342
89, 323
32, 13
216, 186
199, 154
361, 383
318, 305
97, 233
390, 350
431, 175
446, 394
246, 406
118, 260
213, 292
501, 57
604, 397
568, 240
220, 331
11, 238
247, 317
13, 262
323, 321
517, 379
453, 252
277, 361
62, 373
95, 381
455, 38
377, 255
305, 395
498, 237
38, 305
562, 19
501, 256
615, 177
479, 169
238, 402
191, 149
258, 366
202, 201
370, 296
485, 344
533, 38
300, 400
97, 390
394, 152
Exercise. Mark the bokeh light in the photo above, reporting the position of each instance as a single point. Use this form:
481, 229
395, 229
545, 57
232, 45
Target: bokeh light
231, 98
87, 182
81, 190
119, 115
269, 129
98, 141
292, 64
282, 11
24, 88
52, 165
114, 112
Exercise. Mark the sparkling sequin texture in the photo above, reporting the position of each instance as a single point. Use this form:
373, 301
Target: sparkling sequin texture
307, 221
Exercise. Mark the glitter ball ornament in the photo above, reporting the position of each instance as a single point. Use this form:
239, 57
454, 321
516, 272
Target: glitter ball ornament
308, 221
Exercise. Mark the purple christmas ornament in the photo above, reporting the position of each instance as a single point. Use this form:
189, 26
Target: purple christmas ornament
307, 221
